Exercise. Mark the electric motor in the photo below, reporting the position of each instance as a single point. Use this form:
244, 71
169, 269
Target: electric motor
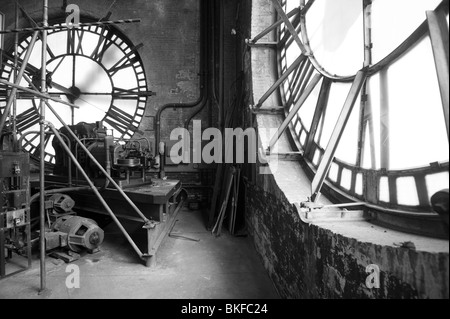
81, 232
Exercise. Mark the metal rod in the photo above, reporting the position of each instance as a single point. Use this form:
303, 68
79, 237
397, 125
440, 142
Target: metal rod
322, 103
285, 75
384, 120
96, 192
100, 167
63, 27
16, 49
19, 78
42, 147
290, 27
438, 28
297, 81
328, 157
340, 205
274, 26
294, 111
41, 95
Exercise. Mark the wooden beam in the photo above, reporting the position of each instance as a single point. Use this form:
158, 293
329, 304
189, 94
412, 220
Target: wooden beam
437, 24
295, 110
330, 151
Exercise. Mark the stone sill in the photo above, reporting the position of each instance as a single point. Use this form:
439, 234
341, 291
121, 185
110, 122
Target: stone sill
295, 185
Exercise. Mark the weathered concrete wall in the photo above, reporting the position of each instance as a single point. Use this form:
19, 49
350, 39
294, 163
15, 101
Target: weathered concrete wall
311, 262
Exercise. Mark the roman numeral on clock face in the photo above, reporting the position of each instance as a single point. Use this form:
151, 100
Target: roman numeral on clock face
121, 121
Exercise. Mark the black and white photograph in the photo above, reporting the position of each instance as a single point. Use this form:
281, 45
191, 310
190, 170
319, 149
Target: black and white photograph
223, 158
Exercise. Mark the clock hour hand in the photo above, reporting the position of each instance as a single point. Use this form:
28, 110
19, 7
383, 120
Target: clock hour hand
72, 93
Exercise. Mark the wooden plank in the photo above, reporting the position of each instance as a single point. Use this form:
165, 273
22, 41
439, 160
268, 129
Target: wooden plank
330, 152
437, 25
295, 110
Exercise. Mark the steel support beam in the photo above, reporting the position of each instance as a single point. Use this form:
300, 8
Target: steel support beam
330, 152
289, 25
321, 106
283, 78
295, 110
437, 24
273, 26
18, 79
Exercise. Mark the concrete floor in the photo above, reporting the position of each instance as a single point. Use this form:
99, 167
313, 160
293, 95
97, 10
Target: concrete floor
227, 267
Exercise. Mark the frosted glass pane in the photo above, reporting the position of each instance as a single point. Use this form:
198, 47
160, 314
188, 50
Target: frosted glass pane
307, 110
346, 181
347, 148
316, 157
437, 182
407, 191
338, 95
394, 20
359, 184
333, 173
383, 192
335, 30
417, 129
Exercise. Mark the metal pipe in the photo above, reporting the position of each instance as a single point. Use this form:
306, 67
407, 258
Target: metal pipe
16, 49
62, 27
42, 146
203, 53
96, 192
19, 78
179, 105
294, 12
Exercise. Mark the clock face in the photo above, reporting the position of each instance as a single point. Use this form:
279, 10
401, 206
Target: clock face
94, 67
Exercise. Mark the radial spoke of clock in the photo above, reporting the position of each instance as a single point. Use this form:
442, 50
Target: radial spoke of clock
59, 63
